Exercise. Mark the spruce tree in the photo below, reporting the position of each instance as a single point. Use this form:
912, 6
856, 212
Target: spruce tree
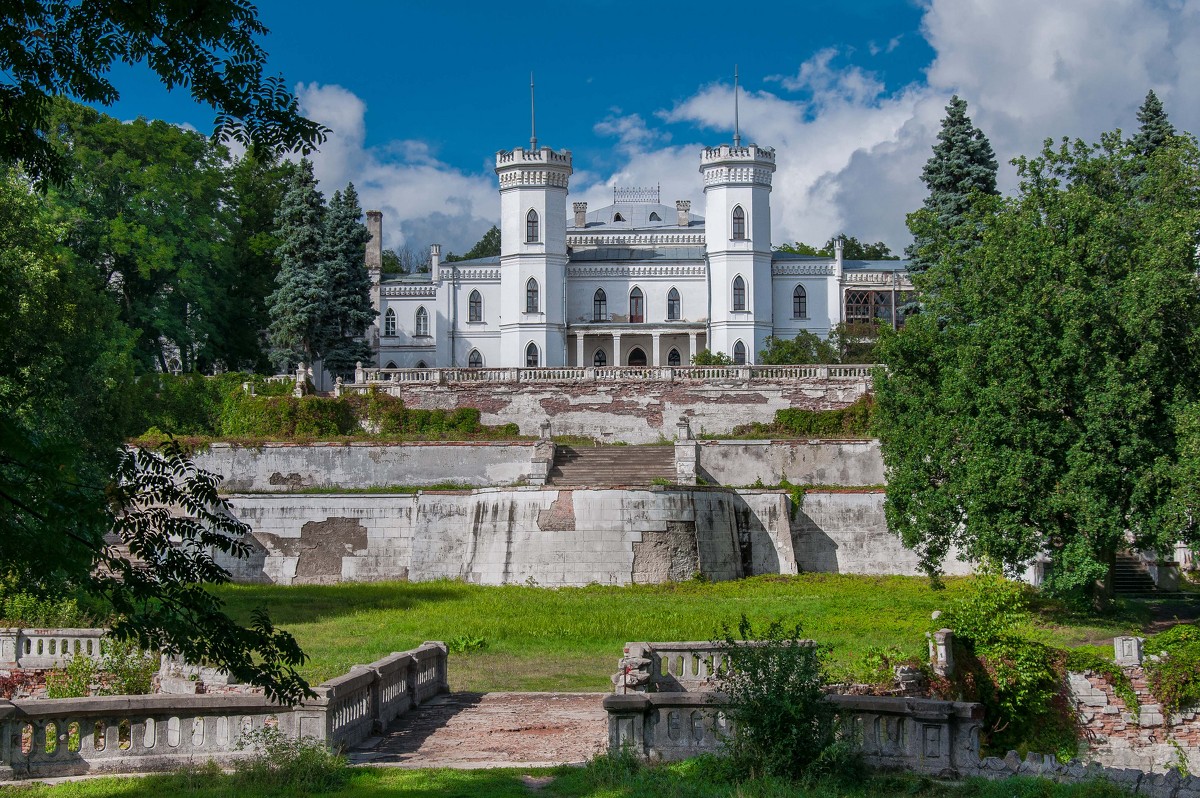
297, 305
1154, 128
348, 310
963, 165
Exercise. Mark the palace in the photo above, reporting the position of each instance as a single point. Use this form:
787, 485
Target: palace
635, 283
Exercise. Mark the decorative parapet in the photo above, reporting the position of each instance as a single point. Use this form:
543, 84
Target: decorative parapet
73, 736
47, 648
938, 738
366, 377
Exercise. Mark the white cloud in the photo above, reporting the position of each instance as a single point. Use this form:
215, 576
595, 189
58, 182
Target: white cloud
850, 151
423, 199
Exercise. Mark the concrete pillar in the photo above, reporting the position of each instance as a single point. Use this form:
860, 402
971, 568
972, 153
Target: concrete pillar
617, 350
1127, 651
656, 346
579, 361
687, 361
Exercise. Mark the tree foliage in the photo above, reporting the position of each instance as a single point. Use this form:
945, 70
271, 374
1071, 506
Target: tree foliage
146, 209
210, 47
1154, 128
348, 310
297, 307
486, 247
852, 249
804, 348
962, 167
1035, 406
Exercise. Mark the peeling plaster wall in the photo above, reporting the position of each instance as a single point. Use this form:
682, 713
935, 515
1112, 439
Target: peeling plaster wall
282, 467
561, 537
846, 532
816, 462
634, 412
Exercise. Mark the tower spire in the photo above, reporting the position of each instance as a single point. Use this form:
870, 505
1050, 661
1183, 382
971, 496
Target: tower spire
532, 117
737, 133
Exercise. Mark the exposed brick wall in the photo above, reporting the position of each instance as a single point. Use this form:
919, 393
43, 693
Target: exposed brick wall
1118, 738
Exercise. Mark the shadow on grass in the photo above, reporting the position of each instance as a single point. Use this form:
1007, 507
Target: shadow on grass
311, 603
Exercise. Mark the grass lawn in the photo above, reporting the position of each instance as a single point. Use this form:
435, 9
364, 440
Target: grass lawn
570, 639
684, 779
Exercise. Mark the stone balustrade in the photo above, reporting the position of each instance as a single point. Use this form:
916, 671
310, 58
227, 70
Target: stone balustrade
72, 736
47, 648
938, 738
366, 377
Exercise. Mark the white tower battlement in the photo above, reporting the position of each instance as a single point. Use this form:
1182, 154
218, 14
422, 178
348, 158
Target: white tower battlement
533, 254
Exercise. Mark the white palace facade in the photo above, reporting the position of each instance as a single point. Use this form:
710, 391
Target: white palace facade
636, 283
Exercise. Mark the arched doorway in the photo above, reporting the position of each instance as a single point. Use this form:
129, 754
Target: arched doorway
637, 357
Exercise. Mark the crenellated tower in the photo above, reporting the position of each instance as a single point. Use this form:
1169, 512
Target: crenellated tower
533, 254
737, 194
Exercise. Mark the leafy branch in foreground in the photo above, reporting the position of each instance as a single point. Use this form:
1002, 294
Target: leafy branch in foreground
170, 516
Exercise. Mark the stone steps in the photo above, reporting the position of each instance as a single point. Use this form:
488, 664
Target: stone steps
612, 465
1130, 576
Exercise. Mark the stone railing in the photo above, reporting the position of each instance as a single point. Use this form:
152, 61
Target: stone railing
670, 667
47, 648
72, 736
366, 377
939, 738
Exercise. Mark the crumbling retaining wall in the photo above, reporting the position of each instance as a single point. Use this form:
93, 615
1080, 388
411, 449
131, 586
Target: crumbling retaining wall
817, 462
275, 467
634, 412
561, 537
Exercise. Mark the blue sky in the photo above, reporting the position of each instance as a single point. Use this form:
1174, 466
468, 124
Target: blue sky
421, 95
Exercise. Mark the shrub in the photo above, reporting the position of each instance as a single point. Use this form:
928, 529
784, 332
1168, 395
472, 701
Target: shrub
127, 670
1175, 675
75, 680
781, 719
854, 419
990, 609
281, 764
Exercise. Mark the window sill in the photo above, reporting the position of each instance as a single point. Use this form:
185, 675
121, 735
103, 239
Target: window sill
477, 323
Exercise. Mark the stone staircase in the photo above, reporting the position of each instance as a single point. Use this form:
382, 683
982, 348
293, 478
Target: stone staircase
1130, 576
603, 466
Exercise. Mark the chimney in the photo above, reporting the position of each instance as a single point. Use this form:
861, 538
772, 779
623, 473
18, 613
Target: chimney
435, 259
581, 214
838, 246
683, 207
375, 245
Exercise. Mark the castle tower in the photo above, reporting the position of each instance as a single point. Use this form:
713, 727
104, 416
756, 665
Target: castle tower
737, 218
533, 255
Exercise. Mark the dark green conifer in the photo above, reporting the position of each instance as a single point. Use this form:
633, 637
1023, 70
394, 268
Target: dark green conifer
297, 304
962, 166
1154, 128
348, 310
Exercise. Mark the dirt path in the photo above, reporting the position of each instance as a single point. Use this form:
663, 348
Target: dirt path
484, 730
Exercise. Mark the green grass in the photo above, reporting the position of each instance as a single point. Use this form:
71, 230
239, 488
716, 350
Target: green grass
683, 779
570, 639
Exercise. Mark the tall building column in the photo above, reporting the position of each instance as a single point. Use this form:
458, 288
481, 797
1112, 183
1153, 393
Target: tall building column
579, 350
657, 339
691, 347
617, 349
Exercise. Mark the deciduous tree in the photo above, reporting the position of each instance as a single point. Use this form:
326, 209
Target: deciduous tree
209, 47
1036, 406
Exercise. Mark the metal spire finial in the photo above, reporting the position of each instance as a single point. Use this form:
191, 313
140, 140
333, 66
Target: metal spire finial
532, 117
737, 133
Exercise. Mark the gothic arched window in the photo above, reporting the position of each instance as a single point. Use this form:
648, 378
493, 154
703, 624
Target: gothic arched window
389, 323
475, 360
531, 227
422, 323
531, 356
475, 307
391, 364
739, 223
654, 217
672, 305
739, 354
600, 305
599, 360
739, 293
799, 303
531, 296
637, 306
673, 357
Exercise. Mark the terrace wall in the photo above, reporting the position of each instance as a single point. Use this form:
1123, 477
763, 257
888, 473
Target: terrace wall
555, 537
